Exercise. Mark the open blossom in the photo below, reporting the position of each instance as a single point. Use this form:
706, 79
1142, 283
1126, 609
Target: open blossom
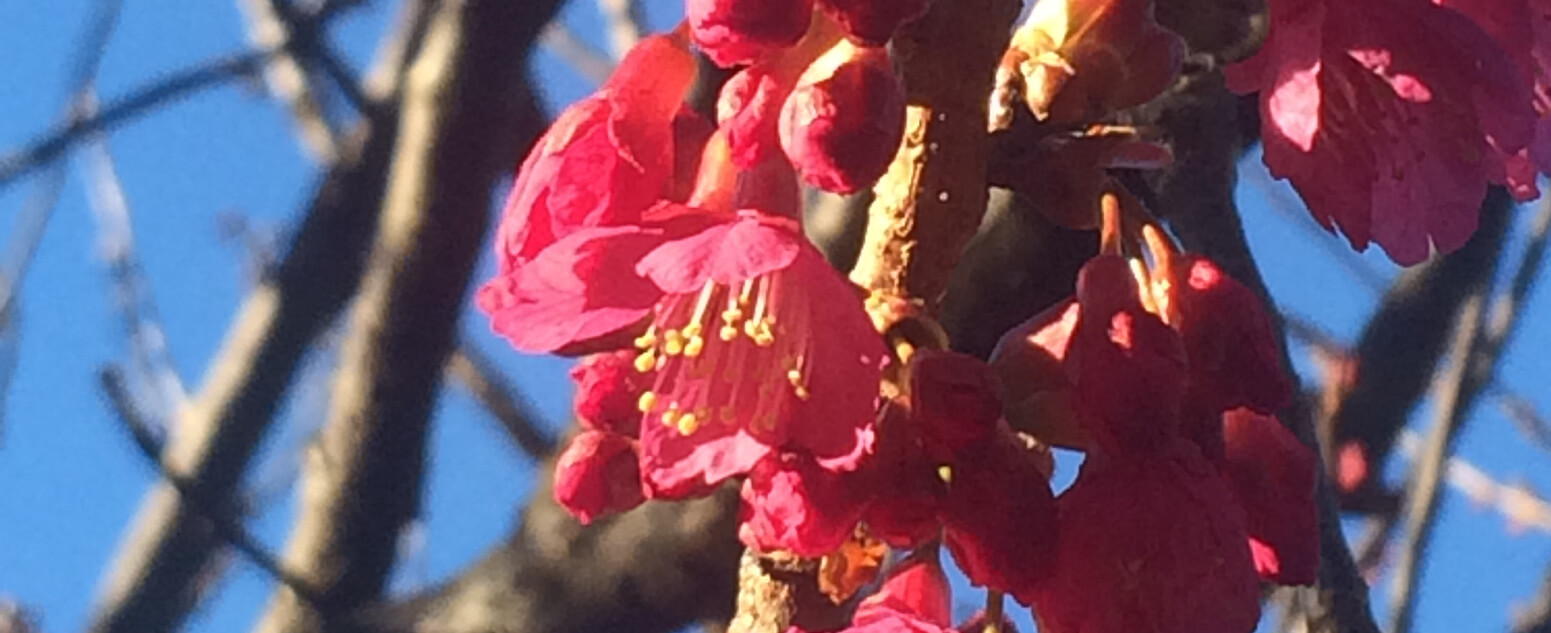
843, 122
733, 32
1389, 117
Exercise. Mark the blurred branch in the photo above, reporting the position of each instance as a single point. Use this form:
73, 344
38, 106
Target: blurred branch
1483, 333
138, 314
476, 372
151, 585
174, 86
623, 19
589, 61
290, 73
656, 569
221, 516
460, 125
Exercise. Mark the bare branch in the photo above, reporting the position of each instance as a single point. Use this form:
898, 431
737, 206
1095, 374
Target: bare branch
289, 77
477, 373
174, 86
460, 126
1483, 333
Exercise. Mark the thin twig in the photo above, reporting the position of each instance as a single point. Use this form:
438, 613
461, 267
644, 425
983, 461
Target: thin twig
289, 75
220, 515
176, 85
623, 19
1483, 335
476, 372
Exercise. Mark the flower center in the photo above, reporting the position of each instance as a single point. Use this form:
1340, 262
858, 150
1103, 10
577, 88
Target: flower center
728, 355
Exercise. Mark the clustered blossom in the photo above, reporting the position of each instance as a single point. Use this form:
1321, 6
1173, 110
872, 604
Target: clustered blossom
1192, 492
1391, 117
719, 346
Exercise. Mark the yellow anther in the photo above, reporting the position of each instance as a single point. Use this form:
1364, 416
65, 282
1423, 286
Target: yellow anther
727, 333
646, 402
673, 343
670, 417
945, 473
801, 392
732, 316
694, 346
688, 423
762, 335
645, 341
793, 376
647, 361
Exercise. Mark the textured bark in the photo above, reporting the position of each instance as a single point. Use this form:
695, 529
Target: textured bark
459, 125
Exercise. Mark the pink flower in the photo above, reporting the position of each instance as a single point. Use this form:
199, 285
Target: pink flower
873, 22
792, 504
733, 32
1388, 116
748, 109
1273, 476
843, 123
757, 345
596, 475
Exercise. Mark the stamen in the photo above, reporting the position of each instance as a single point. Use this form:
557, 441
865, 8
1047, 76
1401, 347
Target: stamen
647, 340
688, 424
647, 361
646, 402
1143, 284
1109, 224
673, 343
945, 473
671, 416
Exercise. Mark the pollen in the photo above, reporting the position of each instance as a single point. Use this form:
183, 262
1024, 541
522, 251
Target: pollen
695, 343
671, 416
945, 473
646, 402
646, 361
688, 424
673, 343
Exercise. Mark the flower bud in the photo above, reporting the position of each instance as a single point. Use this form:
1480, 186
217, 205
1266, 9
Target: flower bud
843, 123
734, 32
598, 475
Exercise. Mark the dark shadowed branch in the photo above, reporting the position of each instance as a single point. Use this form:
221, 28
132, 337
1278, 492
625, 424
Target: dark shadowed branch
461, 121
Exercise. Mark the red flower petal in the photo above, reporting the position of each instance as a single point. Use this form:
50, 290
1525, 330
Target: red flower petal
1030, 362
790, 503
1155, 544
725, 253
916, 591
1273, 476
607, 388
596, 476
1234, 357
953, 399
1389, 117
581, 287
999, 517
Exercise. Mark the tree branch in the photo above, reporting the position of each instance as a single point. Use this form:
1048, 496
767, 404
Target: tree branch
460, 125
477, 372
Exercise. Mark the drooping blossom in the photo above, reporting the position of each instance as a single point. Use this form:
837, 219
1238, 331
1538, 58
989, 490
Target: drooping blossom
607, 388
873, 22
734, 32
1079, 60
843, 122
1150, 536
1389, 117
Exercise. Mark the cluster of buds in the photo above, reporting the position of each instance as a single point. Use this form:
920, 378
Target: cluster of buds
818, 85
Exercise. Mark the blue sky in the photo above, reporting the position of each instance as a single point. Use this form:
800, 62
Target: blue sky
70, 479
